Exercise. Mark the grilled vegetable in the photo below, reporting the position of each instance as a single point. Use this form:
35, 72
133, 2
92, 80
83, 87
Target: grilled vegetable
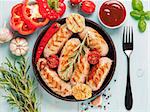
50, 32
81, 91
75, 23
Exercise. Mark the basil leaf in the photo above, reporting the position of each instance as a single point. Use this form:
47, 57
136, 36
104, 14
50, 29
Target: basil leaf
137, 5
142, 25
136, 14
147, 15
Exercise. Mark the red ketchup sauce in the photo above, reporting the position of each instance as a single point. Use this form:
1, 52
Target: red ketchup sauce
112, 13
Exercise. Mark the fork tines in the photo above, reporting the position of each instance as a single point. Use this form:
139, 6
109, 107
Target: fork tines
128, 38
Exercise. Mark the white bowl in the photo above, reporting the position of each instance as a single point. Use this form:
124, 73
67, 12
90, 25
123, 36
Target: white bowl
114, 27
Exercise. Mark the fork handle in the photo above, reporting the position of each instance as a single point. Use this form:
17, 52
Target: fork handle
128, 95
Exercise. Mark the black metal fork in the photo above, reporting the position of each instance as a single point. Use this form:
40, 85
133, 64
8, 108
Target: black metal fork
128, 48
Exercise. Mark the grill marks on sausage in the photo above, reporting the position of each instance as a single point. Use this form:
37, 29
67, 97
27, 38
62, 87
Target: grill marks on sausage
52, 80
98, 73
56, 43
95, 40
65, 58
81, 70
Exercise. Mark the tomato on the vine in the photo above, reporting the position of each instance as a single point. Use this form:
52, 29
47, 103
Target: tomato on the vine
88, 7
18, 22
51, 9
31, 13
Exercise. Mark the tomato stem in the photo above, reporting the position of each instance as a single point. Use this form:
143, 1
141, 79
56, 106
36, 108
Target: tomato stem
53, 4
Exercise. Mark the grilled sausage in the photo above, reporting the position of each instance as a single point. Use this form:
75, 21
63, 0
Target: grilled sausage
52, 80
98, 73
81, 70
94, 40
57, 41
64, 68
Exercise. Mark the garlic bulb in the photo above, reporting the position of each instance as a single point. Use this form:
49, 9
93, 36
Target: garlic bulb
19, 46
5, 35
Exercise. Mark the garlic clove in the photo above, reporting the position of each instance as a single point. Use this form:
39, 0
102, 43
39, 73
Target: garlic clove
5, 35
23, 52
17, 52
13, 47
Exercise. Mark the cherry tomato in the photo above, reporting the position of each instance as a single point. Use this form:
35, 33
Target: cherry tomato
88, 7
93, 57
31, 13
18, 22
53, 61
50, 32
49, 12
75, 2
61, 1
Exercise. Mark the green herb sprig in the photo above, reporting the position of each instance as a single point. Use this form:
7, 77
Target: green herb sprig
18, 85
79, 50
138, 13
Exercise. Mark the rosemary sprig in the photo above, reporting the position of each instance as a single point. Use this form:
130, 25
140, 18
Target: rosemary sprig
18, 85
75, 57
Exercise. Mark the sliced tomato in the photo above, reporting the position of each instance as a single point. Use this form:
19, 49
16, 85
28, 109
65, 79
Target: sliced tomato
18, 22
93, 57
53, 61
32, 14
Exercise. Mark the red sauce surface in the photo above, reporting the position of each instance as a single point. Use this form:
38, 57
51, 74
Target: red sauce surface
112, 13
